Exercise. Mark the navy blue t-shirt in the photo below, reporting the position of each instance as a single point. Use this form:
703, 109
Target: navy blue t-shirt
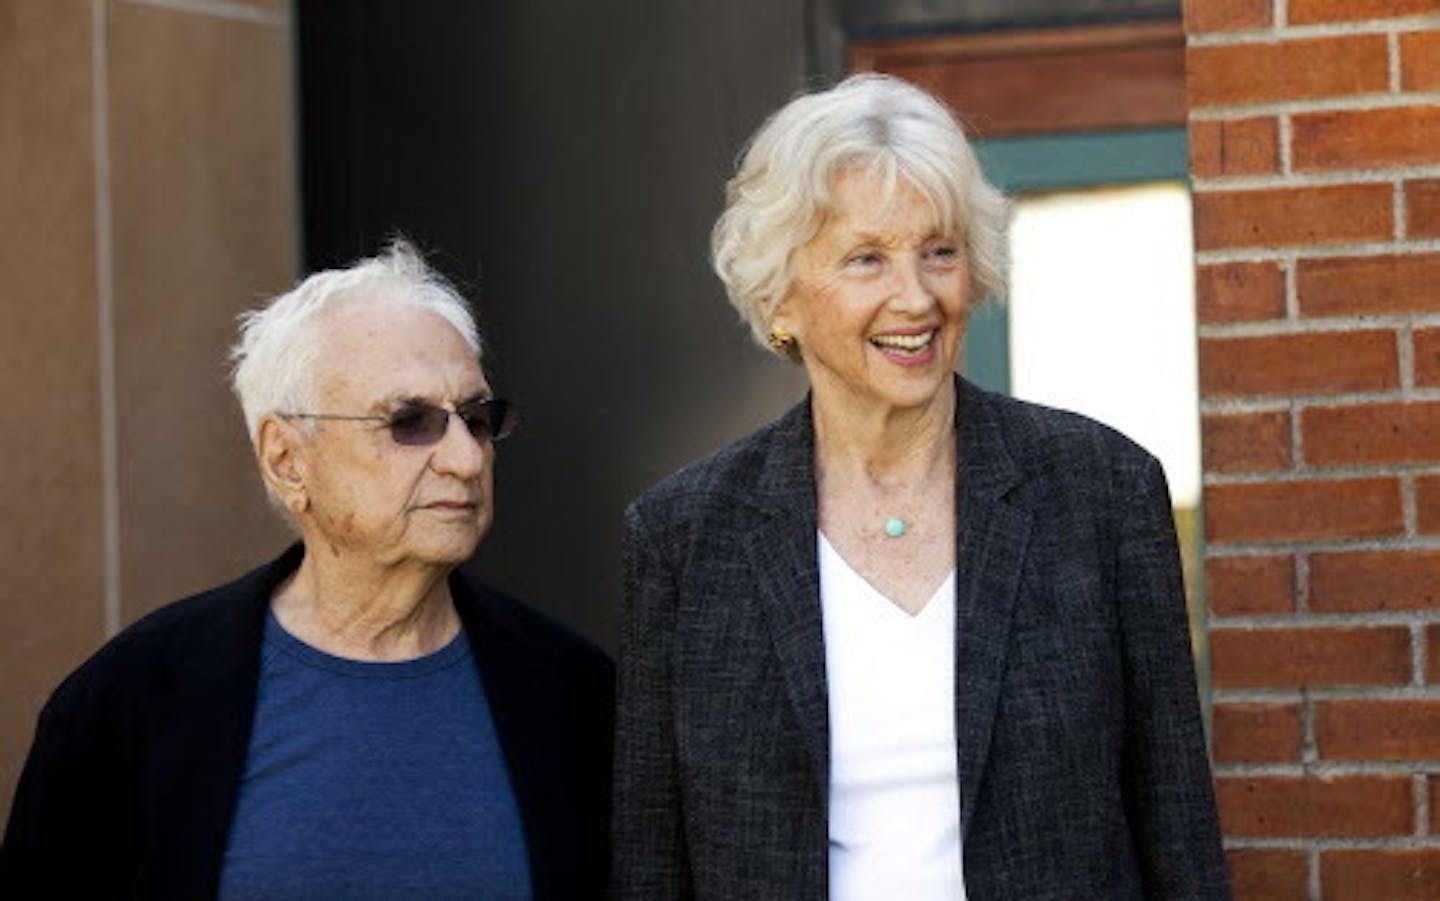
373, 781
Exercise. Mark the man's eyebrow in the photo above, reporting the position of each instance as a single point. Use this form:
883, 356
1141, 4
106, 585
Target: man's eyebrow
397, 401
401, 400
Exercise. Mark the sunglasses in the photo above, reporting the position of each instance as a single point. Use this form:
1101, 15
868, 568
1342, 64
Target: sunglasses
418, 424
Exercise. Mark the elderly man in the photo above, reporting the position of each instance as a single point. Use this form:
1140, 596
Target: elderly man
354, 719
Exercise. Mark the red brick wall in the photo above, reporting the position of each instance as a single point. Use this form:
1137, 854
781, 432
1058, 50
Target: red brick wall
1316, 161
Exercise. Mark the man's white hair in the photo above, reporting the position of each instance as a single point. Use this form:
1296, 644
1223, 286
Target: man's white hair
274, 360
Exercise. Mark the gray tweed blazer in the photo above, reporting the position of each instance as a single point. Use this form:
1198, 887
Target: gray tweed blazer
1082, 763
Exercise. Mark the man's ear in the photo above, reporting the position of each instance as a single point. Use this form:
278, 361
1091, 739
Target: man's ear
281, 451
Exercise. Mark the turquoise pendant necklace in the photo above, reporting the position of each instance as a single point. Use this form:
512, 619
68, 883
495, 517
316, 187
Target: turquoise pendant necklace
895, 527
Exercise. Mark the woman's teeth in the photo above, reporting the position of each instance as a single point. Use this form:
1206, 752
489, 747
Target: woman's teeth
907, 344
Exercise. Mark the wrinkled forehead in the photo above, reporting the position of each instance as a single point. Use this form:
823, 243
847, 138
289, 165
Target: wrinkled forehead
366, 351
882, 185
883, 208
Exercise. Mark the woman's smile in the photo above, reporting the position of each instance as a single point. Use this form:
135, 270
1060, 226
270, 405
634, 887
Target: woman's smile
878, 297
907, 348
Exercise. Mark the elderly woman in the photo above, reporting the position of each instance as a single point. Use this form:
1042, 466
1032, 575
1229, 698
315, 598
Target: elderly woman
354, 719
914, 640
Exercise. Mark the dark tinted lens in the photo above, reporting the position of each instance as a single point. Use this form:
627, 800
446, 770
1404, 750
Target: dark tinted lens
487, 419
419, 425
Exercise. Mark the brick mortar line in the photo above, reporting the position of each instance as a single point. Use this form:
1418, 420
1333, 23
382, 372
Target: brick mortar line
1417, 653
1332, 178
1402, 842
1315, 252
1246, 549
1312, 874
1281, 34
1297, 444
1259, 622
1409, 505
1244, 405
1417, 641
1421, 800
1235, 697
239, 12
1300, 601
1323, 768
1308, 746
1291, 268
1240, 406
1417, 395
1405, 358
1319, 474
1392, 59
1307, 402
1422, 657
1311, 325
1399, 207
1360, 102
1285, 125
1277, 548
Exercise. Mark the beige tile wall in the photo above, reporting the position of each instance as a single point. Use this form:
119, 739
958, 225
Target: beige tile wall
203, 205
52, 606
147, 166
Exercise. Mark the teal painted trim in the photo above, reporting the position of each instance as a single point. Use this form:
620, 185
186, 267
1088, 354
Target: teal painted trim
1085, 159
986, 356
1051, 162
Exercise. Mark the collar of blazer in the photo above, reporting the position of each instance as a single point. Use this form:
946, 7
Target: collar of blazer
991, 535
987, 467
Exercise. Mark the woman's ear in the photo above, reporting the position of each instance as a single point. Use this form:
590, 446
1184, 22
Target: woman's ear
283, 464
780, 333
781, 319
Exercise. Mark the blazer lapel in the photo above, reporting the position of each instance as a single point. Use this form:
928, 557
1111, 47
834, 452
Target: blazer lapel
782, 555
991, 537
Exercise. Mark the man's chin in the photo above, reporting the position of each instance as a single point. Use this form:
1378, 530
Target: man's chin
451, 550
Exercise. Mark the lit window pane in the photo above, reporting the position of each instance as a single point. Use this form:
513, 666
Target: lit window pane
1102, 316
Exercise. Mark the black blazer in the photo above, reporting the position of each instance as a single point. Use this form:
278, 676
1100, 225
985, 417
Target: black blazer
131, 783
1082, 762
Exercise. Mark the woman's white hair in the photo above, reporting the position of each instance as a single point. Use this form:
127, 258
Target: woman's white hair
780, 196
274, 360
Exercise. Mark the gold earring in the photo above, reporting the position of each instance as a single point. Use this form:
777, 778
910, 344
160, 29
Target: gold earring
780, 340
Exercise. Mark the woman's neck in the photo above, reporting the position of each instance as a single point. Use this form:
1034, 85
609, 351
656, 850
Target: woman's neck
885, 493
367, 611
881, 444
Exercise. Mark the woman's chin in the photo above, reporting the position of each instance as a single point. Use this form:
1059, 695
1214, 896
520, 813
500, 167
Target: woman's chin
910, 389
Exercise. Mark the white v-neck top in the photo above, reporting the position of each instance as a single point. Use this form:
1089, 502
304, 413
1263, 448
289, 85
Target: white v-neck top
894, 786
